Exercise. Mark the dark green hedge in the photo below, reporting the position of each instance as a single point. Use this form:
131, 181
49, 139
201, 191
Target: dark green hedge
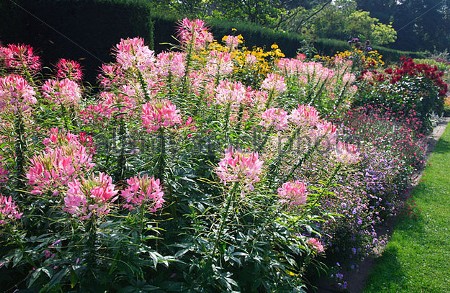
81, 30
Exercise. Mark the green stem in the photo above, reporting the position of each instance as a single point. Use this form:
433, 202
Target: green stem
64, 117
187, 69
143, 86
161, 164
224, 216
273, 167
328, 183
265, 140
303, 159
121, 161
227, 118
19, 149
91, 242
269, 99
239, 123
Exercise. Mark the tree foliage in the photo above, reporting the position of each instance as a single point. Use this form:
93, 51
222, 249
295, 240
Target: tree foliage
412, 24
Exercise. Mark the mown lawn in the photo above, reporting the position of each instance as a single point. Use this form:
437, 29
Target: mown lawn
417, 257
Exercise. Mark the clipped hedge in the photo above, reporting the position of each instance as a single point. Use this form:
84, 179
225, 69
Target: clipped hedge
83, 30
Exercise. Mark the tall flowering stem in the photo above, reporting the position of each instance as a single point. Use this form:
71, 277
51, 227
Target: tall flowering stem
244, 170
161, 164
16, 98
19, 150
193, 35
121, 161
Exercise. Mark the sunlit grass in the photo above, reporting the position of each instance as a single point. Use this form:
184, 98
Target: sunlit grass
417, 258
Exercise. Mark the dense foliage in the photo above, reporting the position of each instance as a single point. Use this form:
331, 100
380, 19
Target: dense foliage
210, 168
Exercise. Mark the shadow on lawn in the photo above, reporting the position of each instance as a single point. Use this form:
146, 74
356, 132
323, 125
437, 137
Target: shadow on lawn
442, 147
387, 274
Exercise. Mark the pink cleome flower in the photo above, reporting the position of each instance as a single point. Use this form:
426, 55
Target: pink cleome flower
64, 159
19, 57
16, 95
8, 210
64, 92
194, 32
347, 153
250, 60
274, 83
143, 190
219, 63
132, 53
290, 66
109, 104
316, 245
228, 92
325, 132
68, 69
170, 63
92, 196
241, 167
232, 42
274, 117
293, 193
304, 115
156, 115
111, 75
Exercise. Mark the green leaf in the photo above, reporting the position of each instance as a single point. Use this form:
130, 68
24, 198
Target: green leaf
18, 255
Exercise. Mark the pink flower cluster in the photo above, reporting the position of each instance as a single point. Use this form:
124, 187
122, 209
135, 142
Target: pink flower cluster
347, 153
109, 104
92, 196
315, 244
111, 75
132, 53
68, 69
304, 115
290, 66
143, 190
274, 83
158, 114
293, 193
232, 42
274, 117
228, 92
170, 63
19, 57
64, 92
325, 131
8, 210
64, 159
219, 64
16, 95
241, 167
195, 33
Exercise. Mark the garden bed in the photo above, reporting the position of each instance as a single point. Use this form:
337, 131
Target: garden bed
212, 168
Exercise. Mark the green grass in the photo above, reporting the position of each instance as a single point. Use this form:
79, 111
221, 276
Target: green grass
417, 257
